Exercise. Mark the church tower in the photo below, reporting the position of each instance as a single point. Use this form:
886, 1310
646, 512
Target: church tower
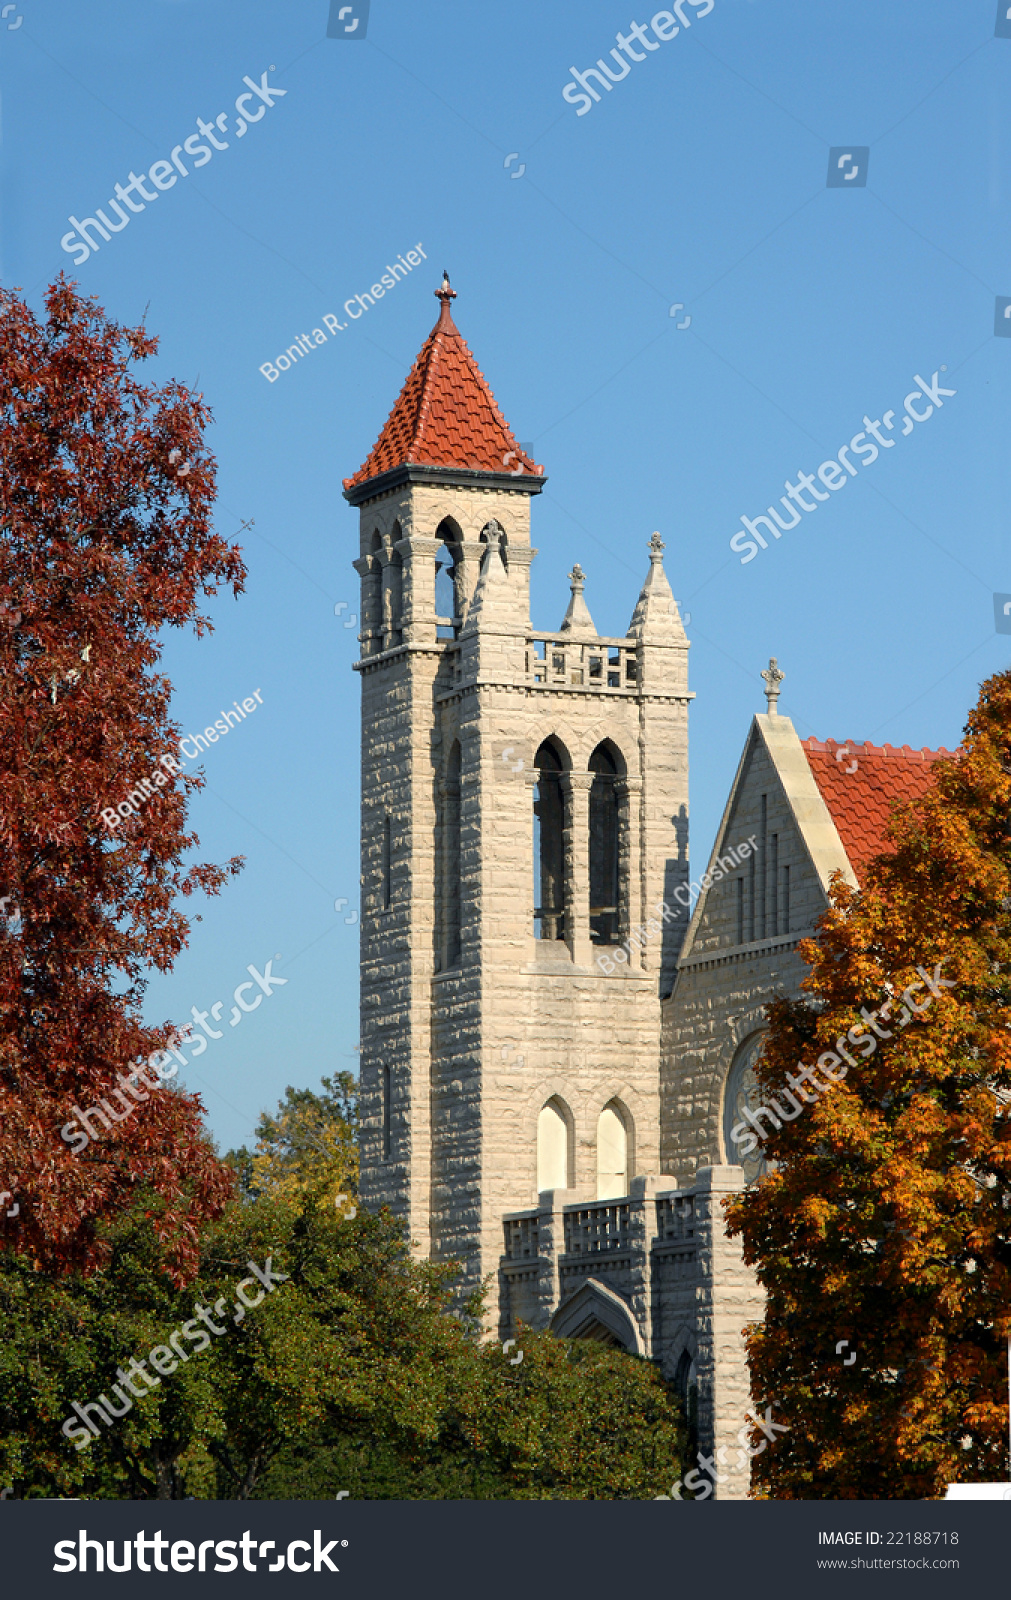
524, 814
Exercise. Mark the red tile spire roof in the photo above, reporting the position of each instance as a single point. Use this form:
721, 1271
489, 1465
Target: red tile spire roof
446, 415
861, 784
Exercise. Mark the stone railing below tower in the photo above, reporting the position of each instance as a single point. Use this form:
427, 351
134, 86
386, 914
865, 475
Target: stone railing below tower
521, 1236
557, 661
654, 1272
590, 1230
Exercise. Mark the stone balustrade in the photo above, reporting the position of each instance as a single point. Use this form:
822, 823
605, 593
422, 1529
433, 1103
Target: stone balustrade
652, 1271
557, 661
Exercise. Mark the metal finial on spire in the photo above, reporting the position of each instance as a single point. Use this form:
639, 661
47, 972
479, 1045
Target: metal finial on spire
445, 295
773, 678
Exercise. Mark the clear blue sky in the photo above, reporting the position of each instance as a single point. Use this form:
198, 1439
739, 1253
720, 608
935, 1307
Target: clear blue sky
699, 178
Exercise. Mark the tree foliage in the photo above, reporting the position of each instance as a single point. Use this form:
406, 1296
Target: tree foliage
308, 1146
573, 1421
105, 538
887, 1219
353, 1373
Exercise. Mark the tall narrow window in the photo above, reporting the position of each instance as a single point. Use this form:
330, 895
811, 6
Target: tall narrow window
372, 597
604, 908
552, 1148
774, 881
786, 899
763, 872
384, 1089
740, 911
394, 597
447, 597
549, 845
751, 899
386, 863
612, 1154
451, 847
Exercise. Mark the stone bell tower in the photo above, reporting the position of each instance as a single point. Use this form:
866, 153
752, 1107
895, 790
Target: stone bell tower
524, 810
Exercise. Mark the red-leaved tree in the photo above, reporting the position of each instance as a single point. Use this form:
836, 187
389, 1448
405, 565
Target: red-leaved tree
105, 537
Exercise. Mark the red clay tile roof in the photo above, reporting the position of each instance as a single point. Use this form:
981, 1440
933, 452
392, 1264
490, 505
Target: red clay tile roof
446, 415
861, 801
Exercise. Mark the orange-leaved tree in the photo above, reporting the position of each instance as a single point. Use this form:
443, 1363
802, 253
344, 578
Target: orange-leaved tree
105, 538
886, 1221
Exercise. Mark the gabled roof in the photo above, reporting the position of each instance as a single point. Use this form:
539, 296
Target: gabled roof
861, 783
841, 797
446, 415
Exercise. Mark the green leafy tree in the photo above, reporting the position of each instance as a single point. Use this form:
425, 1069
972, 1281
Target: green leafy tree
572, 1421
358, 1371
887, 1218
353, 1373
311, 1349
308, 1147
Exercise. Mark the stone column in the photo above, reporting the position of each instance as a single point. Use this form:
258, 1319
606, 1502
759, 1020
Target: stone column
641, 1233
576, 789
369, 569
392, 594
728, 1298
550, 1245
629, 793
417, 606
528, 893
469, 565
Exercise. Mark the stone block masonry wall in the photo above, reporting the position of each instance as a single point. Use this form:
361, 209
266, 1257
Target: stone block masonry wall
728, 1298
775, 892
421, 1039
684, 1286
550, 1025
475, 1033
396, 938
717, 1006
724, 982
456, 1065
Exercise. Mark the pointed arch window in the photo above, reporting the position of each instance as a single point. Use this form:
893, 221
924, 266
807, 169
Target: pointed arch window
552, 1147
393, 594
549, 844
612, 1153
448, 600
606, 919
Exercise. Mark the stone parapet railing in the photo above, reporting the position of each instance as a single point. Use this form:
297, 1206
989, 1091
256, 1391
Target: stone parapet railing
596, 1228
653, 1271
557, 661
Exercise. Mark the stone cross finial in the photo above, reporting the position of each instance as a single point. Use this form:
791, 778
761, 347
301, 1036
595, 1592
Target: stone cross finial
577, 578
773, 678
656, 548
493, 534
